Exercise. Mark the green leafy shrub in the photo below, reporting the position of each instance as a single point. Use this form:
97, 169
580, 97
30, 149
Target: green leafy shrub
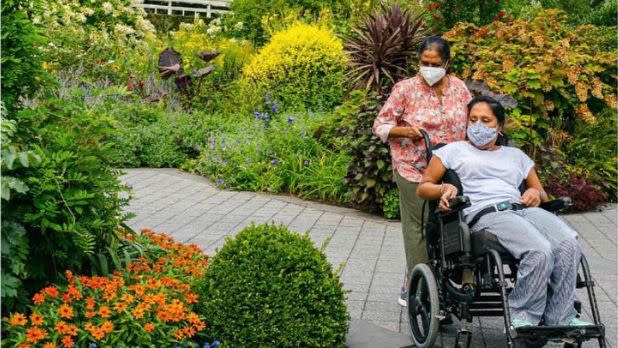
21, 60
302, 67
579, 12
583, 174
243, 154
154, 135
556, 76
73, 206
272, 287
391, 205
369, 176
15, 250
445, 14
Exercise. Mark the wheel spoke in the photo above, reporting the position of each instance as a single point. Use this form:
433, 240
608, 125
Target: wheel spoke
421, 306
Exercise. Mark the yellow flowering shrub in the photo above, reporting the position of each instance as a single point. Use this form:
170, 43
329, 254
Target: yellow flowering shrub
302, 67
193, 38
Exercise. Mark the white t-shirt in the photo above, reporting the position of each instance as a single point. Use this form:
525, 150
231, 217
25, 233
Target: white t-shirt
487, 177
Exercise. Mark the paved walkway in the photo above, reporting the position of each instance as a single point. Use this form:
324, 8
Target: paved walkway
191, 209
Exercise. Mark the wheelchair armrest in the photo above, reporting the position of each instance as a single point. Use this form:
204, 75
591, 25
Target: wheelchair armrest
456, 204
557, 204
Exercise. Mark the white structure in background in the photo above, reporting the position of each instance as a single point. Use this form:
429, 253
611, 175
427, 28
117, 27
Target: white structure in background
185, 7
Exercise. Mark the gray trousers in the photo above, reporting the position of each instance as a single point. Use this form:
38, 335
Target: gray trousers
549, 255
410, 207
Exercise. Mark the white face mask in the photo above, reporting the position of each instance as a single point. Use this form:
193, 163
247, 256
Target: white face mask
432, 75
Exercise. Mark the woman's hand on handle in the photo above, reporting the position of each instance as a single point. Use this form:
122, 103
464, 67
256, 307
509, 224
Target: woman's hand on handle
410, 132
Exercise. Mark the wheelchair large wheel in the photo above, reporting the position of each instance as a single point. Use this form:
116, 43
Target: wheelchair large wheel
423, 306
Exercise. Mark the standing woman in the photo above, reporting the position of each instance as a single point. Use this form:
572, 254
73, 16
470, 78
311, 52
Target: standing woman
436, 102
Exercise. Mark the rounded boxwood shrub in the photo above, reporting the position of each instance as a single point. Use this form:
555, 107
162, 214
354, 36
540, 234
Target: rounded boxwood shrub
302, 66
271, 287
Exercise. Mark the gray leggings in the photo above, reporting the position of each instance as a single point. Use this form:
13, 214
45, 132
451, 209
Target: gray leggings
549, 254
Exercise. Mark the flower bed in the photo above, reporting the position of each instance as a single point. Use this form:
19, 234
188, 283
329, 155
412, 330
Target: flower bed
151, 301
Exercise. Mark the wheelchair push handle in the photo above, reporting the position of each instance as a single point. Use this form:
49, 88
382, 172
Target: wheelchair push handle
557, 204
459, 202
427, 144
456, 204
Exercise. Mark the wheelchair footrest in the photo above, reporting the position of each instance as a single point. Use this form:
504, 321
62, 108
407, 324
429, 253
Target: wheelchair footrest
551, 332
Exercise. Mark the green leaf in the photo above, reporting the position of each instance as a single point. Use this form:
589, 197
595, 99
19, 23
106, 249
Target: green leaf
6, 193
8, 157
534, 84
10, 284
23, 159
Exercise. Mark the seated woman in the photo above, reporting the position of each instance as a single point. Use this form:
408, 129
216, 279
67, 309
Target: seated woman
490, 175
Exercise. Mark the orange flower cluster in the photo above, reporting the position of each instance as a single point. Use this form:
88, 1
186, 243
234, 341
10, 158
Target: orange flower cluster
99, 332
152, 297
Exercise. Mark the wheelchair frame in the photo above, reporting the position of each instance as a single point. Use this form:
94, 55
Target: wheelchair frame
450, 251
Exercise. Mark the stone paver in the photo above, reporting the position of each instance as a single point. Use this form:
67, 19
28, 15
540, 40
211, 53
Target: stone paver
368, 248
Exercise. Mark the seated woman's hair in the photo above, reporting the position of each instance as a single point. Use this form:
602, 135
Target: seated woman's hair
497, 109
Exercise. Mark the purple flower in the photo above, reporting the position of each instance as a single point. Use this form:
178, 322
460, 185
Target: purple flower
275, 107
267, 97
290, 119
219, 182
224, 161
274, 161
257, 115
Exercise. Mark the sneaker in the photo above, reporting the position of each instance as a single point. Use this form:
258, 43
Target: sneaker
403, 297
578, 322
517, 323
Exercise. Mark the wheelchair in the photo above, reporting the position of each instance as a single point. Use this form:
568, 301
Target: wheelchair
437, 290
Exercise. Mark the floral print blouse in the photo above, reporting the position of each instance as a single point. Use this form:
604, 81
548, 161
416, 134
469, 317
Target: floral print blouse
412, 102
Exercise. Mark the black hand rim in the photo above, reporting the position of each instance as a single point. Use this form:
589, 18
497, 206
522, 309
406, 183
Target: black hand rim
419, 307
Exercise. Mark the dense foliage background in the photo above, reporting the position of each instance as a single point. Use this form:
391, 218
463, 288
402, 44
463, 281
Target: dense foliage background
288, 107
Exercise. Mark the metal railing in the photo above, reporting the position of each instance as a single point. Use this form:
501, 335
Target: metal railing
184, 7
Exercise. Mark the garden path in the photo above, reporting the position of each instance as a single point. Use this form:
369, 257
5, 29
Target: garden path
192, 209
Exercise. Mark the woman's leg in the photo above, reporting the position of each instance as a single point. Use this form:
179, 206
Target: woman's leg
528, 299
567, 253
410, 207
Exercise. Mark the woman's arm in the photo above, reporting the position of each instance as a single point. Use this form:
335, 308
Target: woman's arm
385, 124
390, 112
429, 189
535, 194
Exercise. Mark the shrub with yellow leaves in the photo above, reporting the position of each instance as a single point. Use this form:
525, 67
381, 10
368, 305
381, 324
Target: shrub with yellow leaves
302, 66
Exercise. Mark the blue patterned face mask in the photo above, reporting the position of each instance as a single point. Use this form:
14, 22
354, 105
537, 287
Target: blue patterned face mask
480, 135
